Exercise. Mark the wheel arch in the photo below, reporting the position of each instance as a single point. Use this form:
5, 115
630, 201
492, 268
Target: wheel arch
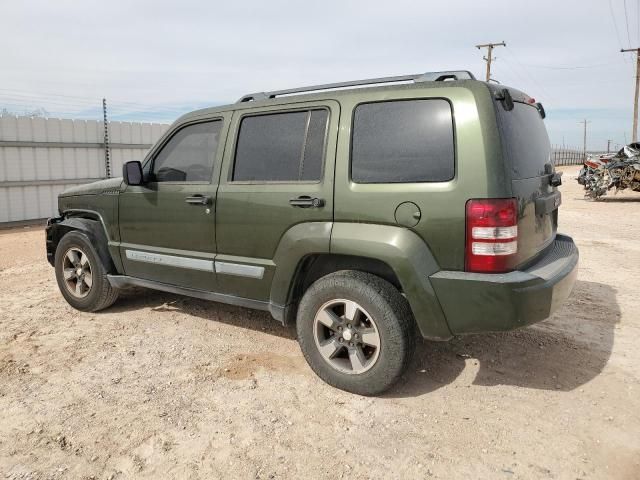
411, 260
393, 253
315, 266
89, 223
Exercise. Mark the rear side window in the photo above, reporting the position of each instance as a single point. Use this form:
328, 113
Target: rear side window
403, 141
525, 140
281, 147
188, 156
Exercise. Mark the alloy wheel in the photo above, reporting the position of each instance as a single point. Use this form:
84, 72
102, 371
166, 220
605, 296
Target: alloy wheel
77, 273
346, 336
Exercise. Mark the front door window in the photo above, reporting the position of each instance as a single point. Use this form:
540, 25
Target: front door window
188, 156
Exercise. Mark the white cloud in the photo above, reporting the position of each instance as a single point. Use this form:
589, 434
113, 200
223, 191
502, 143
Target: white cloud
167, 53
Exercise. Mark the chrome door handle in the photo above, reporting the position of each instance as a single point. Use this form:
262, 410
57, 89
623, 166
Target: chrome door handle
198, 200
305, 201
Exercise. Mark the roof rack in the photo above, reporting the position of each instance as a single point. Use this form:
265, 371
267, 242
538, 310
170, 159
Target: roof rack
417, 78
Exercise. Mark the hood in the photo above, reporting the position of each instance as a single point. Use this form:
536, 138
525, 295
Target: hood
110, 185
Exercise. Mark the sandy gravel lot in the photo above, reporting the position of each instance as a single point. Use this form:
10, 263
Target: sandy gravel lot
162, 386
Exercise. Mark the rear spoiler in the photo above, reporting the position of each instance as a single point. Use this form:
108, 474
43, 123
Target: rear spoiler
508, 96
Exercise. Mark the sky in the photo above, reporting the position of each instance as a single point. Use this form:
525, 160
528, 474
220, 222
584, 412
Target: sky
154, 60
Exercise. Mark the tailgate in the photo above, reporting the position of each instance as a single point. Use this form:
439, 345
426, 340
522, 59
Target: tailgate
527, 155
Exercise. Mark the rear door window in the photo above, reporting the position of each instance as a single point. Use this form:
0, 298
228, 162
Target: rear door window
403, 141
524, 139
281, 147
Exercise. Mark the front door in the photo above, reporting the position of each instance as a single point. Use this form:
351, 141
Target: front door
277, 173
167, 225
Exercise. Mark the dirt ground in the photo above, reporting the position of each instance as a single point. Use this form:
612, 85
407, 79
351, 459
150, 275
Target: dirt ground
162, 386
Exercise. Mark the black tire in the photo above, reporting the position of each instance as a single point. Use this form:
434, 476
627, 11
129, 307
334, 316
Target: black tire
100, 294
393, 319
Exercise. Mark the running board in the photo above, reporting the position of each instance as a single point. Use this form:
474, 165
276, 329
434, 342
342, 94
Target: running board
124, 281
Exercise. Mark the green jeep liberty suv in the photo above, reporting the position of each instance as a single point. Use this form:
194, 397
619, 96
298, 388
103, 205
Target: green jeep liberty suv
361, 215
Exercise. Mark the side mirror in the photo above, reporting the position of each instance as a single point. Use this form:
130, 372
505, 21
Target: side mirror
132, 173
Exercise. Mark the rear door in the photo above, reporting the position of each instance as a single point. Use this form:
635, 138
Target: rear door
527, 154
277, 173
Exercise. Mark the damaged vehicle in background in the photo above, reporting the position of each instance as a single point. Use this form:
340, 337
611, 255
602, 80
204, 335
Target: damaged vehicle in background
619, 171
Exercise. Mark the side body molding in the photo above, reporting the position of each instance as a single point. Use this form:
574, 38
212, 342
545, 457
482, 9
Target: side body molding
411, 260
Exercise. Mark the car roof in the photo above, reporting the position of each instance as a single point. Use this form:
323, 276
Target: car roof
335, 91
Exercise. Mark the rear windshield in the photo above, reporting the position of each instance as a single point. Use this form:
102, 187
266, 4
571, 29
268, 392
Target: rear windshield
524, 140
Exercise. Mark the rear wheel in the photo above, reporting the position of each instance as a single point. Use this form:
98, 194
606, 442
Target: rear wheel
80, 274
356, 331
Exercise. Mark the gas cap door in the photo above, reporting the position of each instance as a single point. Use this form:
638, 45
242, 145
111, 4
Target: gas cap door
408, 214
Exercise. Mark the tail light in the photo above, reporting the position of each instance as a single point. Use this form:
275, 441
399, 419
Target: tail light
492, 235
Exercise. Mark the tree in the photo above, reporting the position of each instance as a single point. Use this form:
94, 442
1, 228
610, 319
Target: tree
35, 113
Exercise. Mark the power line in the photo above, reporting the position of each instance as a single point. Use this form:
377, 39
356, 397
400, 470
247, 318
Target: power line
21, 93
53, 97
520, 78
77, 102
12, 90
566, 67
33, 101
22, 101
86, 113
528, 74
44, 97
626, 20
615, 25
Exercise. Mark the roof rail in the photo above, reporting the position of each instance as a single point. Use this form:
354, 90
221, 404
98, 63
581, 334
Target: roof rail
416, 78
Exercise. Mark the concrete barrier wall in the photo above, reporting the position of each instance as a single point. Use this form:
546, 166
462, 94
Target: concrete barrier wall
40, 157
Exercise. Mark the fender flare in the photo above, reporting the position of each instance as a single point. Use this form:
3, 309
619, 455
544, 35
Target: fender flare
298, 242
94, 229
411, 260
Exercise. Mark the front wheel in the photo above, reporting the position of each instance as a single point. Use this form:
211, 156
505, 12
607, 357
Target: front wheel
81, 276
356, 331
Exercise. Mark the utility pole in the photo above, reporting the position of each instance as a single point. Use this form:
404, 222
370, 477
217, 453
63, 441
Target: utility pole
584, 144
634, 133
489, 58
107, 162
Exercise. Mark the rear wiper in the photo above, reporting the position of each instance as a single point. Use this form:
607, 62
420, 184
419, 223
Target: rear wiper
505, 98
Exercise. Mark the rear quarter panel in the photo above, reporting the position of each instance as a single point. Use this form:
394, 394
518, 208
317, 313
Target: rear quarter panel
479, 171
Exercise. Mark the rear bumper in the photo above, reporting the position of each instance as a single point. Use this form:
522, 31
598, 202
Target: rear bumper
475, 302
